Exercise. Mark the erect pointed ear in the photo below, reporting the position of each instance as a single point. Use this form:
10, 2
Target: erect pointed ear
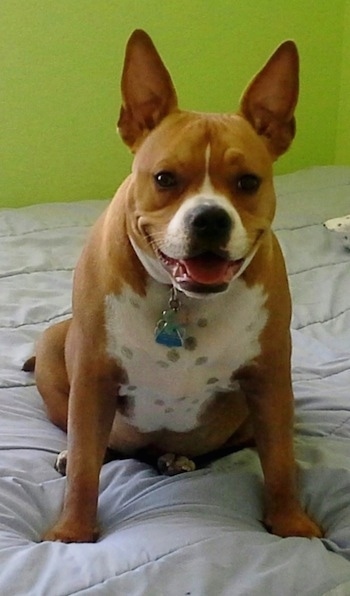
148, 93
270, 99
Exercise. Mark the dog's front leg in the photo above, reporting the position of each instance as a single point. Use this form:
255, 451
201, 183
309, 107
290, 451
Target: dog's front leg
271, 403
92, 404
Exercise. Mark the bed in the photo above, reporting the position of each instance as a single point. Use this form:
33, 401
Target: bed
198, 534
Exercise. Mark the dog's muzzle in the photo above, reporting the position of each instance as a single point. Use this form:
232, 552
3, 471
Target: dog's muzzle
207, 266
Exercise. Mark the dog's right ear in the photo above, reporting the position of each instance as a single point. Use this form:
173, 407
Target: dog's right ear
148, 93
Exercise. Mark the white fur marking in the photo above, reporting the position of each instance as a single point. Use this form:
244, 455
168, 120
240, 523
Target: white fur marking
228, 341
176, 241
153, 267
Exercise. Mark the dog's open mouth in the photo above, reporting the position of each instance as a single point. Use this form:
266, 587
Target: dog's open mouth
206, 272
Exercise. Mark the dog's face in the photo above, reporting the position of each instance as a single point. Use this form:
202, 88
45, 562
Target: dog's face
201, 196
202, 199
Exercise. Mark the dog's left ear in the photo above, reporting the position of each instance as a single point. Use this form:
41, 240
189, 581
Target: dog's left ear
270, 99
147, 90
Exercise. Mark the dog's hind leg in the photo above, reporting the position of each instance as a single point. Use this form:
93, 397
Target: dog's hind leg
50, 373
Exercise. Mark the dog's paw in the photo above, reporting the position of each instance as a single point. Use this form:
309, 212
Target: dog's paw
70, 533
171, 464
292, 523
61, 462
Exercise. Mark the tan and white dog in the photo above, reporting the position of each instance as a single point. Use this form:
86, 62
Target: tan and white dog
179, 341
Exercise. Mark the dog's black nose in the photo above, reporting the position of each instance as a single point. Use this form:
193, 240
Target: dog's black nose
210, 222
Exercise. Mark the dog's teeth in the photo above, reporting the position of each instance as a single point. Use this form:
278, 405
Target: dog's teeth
180, 273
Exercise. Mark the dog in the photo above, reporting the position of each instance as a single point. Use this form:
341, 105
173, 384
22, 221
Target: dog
179, 342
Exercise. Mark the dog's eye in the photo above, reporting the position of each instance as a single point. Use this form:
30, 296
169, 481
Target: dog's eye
248, 183
165, 179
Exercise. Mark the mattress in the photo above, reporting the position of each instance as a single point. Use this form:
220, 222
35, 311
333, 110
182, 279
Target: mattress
197, 534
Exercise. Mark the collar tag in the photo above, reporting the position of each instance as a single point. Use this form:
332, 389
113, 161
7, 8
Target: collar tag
170, 330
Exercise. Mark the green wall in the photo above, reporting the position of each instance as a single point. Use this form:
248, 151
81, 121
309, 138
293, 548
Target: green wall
342, 155
60, 66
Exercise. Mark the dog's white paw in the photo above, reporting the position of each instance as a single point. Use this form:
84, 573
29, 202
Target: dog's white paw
61, 462
171, 464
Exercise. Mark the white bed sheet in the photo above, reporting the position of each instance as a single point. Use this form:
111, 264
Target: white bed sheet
198, 534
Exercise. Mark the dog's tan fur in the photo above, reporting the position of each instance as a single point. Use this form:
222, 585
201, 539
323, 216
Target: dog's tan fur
78, 376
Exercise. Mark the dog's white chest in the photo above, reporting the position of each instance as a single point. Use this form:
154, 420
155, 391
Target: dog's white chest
168, 387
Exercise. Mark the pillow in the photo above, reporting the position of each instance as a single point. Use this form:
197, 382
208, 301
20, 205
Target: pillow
340, 228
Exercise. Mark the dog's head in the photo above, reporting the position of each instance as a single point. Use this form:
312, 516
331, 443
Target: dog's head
201, 197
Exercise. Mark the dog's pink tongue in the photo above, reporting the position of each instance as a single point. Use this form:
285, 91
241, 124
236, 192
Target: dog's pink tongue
210, 269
